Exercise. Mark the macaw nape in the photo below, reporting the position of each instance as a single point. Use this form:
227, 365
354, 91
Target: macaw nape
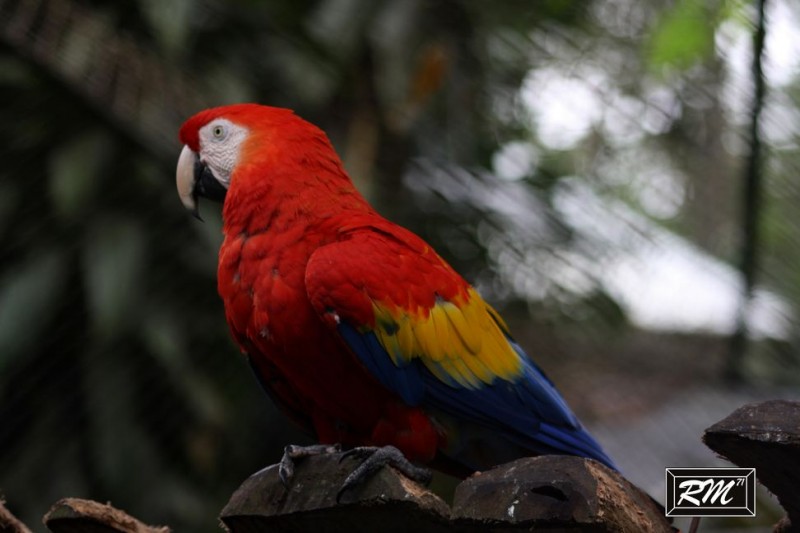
355, 327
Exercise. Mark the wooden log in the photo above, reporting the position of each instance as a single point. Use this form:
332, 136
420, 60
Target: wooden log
765, 436
549, 493
387, 502
10, 523
555, 493
73, 515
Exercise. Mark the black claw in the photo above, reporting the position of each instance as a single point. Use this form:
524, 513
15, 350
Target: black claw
285, 470
359, 451
377, 458
374, 458
292, 452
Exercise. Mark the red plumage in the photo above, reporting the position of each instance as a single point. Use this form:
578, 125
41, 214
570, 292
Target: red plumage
270, 233
355, 326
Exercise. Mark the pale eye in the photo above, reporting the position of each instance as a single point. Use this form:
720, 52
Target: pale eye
219, 132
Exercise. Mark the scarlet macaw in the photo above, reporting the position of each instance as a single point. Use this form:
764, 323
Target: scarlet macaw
354, 325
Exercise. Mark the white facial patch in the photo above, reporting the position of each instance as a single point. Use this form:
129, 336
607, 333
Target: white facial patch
220, 141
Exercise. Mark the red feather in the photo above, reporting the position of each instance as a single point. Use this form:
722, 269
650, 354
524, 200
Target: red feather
270, 232
356, 327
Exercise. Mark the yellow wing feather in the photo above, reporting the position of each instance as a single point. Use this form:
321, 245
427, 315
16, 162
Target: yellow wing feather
470, 337
462, 342
441, 329
405, 336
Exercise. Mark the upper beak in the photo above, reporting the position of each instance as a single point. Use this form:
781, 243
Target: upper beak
185, 179
194, 178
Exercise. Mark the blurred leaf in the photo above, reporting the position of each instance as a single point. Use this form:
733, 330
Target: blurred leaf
80, 48
170, 22
683, 36
164, 335
29, 294
13, 72
124, 450
9, 196
51, 467
75, 173
113, 269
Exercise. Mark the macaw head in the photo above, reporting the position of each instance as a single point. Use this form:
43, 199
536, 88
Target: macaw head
217, 140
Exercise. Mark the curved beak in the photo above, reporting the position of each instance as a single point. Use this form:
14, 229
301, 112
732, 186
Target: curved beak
194, 178
186, 180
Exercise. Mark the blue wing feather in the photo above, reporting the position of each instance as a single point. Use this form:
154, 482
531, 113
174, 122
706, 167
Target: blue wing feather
404, 380
528, 413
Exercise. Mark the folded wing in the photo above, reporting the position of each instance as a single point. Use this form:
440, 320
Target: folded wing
429, 337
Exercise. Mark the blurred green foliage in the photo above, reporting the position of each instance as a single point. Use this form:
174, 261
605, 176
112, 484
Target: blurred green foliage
476, 124
683, 37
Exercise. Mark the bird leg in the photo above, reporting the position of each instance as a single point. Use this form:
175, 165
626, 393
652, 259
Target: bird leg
376, 458
293, 451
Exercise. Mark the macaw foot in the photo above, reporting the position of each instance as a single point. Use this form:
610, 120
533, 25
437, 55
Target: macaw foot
293, 451
376, 458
